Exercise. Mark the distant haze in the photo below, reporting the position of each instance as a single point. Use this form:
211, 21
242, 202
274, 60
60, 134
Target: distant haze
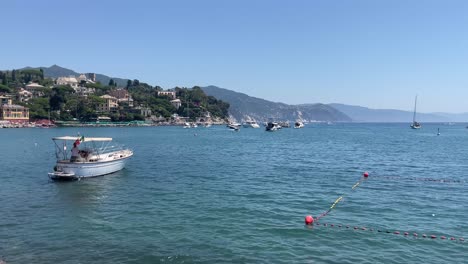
364, 114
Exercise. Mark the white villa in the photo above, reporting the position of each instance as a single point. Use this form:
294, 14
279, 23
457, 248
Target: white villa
24, 95
171, 94
71, 80
176, 103
33, 86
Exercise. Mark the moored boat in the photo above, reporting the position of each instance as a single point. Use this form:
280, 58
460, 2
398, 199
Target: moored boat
272, 126
298, 124
251, 124
96, 157
415, 125
234, 126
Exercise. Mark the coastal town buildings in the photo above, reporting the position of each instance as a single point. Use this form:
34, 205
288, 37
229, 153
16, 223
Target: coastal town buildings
31, 94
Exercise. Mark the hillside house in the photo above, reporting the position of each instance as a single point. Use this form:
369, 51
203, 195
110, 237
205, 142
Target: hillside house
14, 113
71, 80
122, 96
24, 95
170, 94
110, 104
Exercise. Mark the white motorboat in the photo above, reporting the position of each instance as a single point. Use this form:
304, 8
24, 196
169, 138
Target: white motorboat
272, 126
298, 124
187, 125
97, 157
250, 123
234, 126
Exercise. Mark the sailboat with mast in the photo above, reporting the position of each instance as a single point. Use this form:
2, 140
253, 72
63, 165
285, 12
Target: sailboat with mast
415, 124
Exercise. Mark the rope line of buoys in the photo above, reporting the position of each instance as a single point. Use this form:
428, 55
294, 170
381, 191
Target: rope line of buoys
394, 232
422, 179
311, 222
309, 219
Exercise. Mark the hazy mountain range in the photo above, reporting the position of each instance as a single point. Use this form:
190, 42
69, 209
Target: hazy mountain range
243, 106
364, 114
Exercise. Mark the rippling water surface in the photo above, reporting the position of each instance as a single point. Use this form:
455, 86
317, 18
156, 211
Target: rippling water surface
211, 195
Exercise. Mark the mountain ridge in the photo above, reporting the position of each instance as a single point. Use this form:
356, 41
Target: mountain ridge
243, 106
56, 71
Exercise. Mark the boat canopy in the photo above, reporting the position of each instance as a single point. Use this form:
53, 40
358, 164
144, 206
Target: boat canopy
83, 139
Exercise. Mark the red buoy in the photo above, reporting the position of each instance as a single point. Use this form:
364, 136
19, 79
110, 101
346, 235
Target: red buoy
365, 174
309, 220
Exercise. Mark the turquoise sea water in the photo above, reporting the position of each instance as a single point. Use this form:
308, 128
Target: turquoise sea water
210, 195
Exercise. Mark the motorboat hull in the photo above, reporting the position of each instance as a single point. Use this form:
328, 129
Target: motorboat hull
66, 170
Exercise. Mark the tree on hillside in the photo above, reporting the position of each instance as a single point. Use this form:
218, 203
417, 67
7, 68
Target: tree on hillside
4, 89
38, 108
111, 82
129, 83
59, 96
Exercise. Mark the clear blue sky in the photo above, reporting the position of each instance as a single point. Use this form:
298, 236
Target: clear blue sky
373, 53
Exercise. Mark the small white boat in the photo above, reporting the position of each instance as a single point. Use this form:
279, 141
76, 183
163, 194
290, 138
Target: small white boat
234, 126
186, 125
250, 123
96, 158
272, 126
298, 124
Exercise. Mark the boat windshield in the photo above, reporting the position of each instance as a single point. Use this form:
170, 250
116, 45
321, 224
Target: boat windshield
86, 146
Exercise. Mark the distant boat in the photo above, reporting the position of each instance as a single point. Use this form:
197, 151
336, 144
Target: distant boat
272, 126
298, 124
438, 131
250, 123
234, 126
415, 125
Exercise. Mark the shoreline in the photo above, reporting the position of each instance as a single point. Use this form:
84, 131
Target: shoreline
96, 124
